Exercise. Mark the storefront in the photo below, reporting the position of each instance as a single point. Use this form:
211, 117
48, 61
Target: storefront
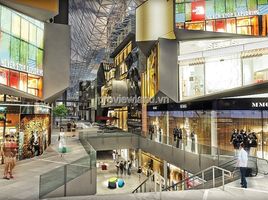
151, 163
223, 68
247, 17
21, 52
29, 124
213, 123
120, 116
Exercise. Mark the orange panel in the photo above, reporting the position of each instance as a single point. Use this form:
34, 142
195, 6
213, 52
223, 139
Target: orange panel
50, 5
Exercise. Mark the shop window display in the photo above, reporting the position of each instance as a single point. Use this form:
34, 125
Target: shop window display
222, 73
14, 78
222, 10
192, 80
23, 82
255, 69
34, 135
157, 126
4, 76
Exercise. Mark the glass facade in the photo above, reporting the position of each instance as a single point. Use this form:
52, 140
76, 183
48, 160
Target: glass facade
21, 42
21, 51
220, 70
247, 17
209, 124
21, 81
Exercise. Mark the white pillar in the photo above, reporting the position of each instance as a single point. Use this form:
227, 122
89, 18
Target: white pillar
214, 134
165, 173
167, 127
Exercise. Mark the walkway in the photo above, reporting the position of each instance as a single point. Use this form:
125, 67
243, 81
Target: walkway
25, 185
258, 190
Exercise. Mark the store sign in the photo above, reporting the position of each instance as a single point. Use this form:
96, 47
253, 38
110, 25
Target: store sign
183, 106
259, 104
20, 67
236, 14
222, 44
198, 11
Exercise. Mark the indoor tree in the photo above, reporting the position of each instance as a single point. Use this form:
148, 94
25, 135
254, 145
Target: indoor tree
60, 111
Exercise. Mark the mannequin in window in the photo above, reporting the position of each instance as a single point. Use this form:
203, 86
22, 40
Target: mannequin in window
160, 134
178, 132
175, 134
151, 131
234, 140
193, 141
253, 143
245, 140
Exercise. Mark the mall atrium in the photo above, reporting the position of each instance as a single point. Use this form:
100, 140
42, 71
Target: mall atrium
134, 99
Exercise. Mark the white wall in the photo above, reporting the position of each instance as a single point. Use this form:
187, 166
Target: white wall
56, 59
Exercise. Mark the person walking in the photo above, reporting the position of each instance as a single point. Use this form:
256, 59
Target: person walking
114, 156
139, 173
62, 142
117, 168
13, 146
121, 166
6, 151
129, 165
242, 164
125, 168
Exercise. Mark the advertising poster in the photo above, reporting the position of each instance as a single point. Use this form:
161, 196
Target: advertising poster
198, 11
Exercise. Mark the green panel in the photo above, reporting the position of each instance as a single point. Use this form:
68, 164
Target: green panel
24, 50
220, 7
188, 11
241, 3
180, 8
230, 6
39, 59
32, 52
252, 5
261, 2
15, 50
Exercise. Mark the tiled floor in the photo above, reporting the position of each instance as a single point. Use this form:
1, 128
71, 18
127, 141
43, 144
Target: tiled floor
131, 182
25, 185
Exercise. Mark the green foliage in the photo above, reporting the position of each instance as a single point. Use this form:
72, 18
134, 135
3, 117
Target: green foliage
60, 111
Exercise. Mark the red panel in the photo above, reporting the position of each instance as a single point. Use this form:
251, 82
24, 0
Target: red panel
198, 11
14, 78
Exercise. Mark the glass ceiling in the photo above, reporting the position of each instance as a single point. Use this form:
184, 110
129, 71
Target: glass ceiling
94, 26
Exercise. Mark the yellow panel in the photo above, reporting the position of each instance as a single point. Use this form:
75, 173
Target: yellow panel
155, 19
50, 5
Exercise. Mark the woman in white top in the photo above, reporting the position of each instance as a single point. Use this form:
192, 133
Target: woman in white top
62, 142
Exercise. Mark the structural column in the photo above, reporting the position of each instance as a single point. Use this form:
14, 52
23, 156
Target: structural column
214, 134
165, 173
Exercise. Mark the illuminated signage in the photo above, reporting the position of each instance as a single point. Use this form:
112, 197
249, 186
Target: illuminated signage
236, 14
259, 104
198, 11
20, 67
183, 105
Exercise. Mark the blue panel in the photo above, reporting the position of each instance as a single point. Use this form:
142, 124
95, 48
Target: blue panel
263, 9
180, 17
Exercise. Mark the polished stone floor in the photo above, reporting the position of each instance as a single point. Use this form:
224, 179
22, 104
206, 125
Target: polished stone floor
25, 185
131, 182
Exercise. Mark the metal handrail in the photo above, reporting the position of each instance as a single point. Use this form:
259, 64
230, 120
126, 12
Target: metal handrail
155, 174
194, 177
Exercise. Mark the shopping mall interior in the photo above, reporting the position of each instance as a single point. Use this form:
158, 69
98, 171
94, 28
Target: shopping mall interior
134, 99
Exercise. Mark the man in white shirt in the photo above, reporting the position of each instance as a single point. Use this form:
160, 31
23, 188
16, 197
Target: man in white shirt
242, 164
